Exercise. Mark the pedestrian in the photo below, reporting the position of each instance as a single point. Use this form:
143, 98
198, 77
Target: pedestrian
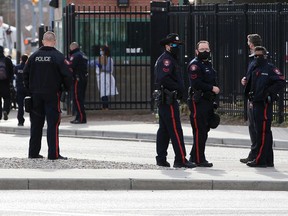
12, 89
170, 86
6, 78
21, 91
3, 34
202, 94
105, 79
46, 74
266, 82
78, 65
253, 40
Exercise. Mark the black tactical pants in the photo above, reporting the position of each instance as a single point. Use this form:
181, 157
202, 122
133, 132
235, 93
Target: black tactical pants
170, 128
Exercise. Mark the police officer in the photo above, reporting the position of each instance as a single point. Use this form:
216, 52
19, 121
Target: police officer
202, 93
266, 82
46, 73
169, 83
253, 40
6, 77
78, 65
21, 91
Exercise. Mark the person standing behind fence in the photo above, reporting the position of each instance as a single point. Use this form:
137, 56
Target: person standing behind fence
105, 79
266, 82
202, 93
46, 74
78, 65
253, 40
21, 91
170, 86
6, 77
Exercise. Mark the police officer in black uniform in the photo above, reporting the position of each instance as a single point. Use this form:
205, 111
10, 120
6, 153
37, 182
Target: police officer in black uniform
266, 82
21, 91
253, 40
6, 77
202, 92
46, 74
78, 65
170, 86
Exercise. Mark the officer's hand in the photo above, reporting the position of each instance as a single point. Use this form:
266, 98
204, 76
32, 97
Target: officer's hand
216, 90
244, 81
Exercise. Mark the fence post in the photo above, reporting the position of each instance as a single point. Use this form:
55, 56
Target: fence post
41, 32
281, 62
159, 30
69, 36
246, 29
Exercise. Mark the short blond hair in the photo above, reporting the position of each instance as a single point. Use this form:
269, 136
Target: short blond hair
202, 41
49, 36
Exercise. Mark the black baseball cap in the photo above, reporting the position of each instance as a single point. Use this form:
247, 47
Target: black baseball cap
171, 38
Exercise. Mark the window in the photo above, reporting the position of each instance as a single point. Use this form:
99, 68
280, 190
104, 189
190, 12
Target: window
123, 3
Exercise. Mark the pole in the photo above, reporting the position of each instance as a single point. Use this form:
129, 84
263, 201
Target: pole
34, 28
18, 31
40, 12
51, 18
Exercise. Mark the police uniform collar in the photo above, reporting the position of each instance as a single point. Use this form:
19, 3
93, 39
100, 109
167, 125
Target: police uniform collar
170, 54
74, 51
46, 48
203, 62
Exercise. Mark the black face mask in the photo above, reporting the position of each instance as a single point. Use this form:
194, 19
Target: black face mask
203, 55
260, 60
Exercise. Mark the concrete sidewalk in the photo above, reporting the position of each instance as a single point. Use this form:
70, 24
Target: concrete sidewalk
224, 135
227, 174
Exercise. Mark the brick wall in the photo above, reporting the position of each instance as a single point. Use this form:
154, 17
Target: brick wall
112, 2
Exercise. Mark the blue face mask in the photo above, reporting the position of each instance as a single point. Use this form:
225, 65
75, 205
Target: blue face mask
101, 53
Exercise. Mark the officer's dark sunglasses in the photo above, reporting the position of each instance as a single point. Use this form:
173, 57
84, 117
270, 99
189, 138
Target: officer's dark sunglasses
173, 45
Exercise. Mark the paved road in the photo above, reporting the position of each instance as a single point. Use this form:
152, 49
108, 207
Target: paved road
174, 203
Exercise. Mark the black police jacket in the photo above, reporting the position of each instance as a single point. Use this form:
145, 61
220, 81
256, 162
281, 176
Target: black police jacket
78, 64
266, 80
18, 71
201, 74
5, 84
46, 72
168, 74
251, 66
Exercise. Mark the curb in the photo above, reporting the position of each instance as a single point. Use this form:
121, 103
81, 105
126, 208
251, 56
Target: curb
139, 184
144, 137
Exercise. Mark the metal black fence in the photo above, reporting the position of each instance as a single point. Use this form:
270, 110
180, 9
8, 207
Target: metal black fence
133, 34
127, 33
226, 27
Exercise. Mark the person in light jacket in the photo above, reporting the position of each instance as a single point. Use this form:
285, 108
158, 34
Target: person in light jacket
105, 79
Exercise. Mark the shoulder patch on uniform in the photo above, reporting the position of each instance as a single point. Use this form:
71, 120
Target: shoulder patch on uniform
194, 76
277, 71
166, 70
166, 62
193, 67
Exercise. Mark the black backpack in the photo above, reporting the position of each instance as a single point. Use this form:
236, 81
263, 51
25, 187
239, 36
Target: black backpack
3, 71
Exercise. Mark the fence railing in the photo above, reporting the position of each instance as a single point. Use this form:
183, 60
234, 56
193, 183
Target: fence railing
133, 34
127, 33
226, 27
